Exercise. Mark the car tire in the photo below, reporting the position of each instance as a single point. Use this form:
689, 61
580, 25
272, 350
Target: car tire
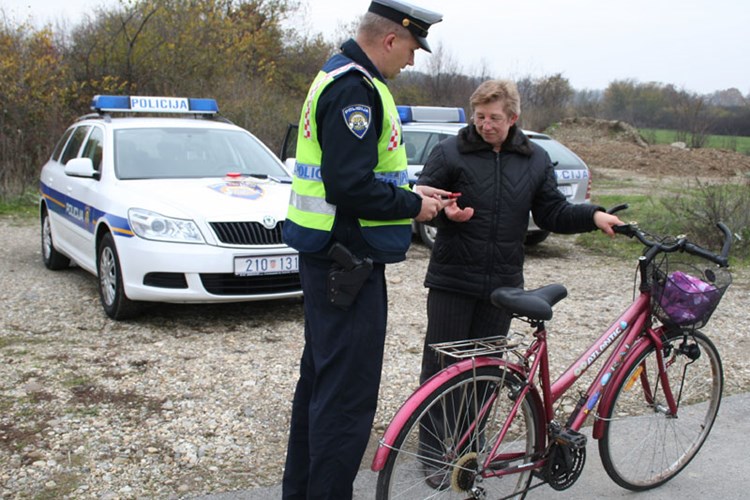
53, 259
535, 237
111, 289
428, 234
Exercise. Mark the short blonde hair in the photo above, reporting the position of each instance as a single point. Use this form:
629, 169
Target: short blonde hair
373, 27
504, 91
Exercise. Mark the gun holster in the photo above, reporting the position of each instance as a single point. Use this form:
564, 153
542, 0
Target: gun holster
347, 275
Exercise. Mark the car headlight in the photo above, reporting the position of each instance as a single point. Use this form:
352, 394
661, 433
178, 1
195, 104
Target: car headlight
152, 226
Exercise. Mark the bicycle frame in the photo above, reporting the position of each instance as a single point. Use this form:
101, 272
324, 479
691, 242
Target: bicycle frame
631, 333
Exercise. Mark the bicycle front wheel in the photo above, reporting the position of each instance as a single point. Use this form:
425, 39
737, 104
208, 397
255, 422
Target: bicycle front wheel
644, 445
442, 451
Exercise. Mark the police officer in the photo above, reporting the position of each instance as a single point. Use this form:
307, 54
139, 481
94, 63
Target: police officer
350, 202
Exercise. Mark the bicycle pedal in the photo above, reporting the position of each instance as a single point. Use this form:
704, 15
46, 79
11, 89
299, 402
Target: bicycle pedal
571, 438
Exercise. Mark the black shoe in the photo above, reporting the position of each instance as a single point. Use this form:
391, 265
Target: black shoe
437, 479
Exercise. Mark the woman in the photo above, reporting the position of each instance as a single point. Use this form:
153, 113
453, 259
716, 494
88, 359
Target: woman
501, 176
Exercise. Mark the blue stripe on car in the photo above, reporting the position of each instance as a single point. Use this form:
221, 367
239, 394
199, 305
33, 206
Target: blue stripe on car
83, 215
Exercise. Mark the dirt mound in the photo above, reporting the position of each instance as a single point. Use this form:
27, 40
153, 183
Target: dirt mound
605, 144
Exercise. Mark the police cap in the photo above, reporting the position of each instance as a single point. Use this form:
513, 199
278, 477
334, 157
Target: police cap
416, 19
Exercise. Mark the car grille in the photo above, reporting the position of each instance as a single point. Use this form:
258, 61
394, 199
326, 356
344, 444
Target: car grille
247, 233
229, 284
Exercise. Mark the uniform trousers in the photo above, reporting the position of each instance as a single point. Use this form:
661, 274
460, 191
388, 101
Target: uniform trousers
336, 396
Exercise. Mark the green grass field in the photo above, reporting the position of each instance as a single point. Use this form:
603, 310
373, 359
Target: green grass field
653, 213
25, 206
736, 143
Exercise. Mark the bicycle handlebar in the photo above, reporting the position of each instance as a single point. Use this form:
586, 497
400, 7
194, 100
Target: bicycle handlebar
681, 244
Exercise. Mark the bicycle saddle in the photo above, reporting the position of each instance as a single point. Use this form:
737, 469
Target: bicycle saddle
533, 304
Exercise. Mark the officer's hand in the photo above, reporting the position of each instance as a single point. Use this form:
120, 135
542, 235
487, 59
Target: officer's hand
431, 207
431, 192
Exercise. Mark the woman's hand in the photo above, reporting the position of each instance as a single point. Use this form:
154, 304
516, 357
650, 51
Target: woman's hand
458, 214
605, 221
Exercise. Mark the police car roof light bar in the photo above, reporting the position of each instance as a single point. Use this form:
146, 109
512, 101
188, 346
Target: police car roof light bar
150, 104
431, 114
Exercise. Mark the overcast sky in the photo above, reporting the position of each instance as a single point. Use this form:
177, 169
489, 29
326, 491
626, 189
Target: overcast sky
697, 45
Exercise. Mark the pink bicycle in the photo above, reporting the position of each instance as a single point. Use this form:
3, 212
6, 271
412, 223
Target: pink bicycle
486, 426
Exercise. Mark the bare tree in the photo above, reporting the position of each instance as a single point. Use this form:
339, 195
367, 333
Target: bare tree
544, 100
588, 103
693, 114
445, 77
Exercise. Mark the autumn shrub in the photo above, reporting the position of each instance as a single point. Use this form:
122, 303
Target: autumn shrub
33, 104
700, 208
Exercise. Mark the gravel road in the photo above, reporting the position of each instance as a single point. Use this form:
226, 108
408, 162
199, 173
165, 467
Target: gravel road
190, 400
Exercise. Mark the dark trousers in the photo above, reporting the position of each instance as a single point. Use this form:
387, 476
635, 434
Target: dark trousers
336, 397
450, 317
455, 316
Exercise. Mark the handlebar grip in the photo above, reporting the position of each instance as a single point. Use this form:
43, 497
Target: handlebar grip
727, 239
624, 229
721, 259
705, 254
618, 208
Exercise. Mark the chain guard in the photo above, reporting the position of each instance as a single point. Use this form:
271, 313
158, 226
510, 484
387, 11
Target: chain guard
564, 466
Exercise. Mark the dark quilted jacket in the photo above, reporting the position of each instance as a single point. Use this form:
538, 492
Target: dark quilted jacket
486, 252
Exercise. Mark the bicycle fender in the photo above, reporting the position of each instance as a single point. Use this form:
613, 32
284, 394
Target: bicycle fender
607, 399
417, 398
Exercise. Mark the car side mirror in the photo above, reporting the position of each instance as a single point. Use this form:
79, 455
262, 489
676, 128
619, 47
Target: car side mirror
81, 167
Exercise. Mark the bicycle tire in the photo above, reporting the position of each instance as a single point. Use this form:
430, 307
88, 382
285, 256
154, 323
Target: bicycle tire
405, 474
642, 447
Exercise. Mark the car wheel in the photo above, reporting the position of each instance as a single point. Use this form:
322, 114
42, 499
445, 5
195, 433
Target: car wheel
53, 259
427, 234
536, 237
111, 290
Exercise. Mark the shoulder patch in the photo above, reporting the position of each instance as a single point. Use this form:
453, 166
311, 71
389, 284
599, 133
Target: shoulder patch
357, 118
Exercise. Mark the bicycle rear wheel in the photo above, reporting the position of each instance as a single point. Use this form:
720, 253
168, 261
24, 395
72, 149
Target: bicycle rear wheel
643, 446
441, 450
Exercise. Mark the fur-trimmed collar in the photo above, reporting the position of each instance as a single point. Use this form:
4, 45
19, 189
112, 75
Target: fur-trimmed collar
469, 141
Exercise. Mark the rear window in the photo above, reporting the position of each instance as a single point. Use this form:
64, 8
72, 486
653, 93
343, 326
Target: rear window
559, 154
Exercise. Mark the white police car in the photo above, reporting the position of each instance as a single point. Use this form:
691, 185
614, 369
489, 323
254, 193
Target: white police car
183, 208
425, 126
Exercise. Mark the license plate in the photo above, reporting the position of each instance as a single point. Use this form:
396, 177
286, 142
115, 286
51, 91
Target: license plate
566, 189
266, 264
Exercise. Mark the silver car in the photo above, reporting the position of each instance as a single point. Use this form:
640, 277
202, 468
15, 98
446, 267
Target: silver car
425, 126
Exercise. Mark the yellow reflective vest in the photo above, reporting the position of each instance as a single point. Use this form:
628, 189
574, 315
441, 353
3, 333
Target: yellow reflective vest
310, 218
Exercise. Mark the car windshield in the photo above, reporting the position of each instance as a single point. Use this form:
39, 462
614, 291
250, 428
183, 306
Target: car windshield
169, 153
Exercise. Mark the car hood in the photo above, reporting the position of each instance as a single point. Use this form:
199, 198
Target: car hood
212, 199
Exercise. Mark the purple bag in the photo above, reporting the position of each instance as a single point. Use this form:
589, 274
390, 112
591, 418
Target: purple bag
687, 299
